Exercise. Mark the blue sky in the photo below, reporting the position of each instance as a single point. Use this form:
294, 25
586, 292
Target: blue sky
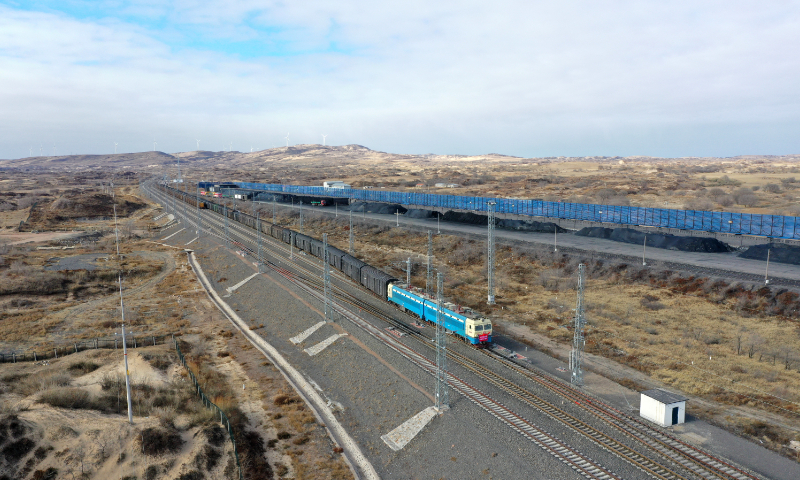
670, 79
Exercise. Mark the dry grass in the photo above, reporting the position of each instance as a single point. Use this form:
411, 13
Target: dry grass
701, 336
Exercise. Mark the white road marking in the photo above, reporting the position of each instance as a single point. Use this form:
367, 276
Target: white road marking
323, 344
236, 287
192, 240
306, 333
400, 436
358, 462
179, 231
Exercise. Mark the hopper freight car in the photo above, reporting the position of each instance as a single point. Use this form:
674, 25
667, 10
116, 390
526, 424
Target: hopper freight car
463, 322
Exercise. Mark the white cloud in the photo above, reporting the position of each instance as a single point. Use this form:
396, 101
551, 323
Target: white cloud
522, 78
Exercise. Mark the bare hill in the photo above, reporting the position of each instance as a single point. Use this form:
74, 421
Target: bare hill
79, 162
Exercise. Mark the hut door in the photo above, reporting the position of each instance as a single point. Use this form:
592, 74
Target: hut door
674, 415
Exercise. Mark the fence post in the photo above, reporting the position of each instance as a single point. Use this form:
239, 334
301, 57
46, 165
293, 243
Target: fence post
154, 341
76, 347
34, 357
95, 343
134, 342
15, 357
56, 352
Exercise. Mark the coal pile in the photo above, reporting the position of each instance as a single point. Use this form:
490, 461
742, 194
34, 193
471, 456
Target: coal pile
464, 217
657, 240
778, 252
419, 213
529, 226
380, 208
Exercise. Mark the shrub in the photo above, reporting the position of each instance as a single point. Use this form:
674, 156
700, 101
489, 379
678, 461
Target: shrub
42, 381
651, 303
49, 474
158, 441
284, 399
193, 475
82, 368
14, 451
207, 458
215, 435
160, 362
151, 473
67, 398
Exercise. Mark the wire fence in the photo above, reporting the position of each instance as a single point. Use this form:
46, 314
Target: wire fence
93, 344
218, 413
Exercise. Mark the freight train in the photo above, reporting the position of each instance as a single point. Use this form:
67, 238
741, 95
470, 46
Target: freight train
467, 324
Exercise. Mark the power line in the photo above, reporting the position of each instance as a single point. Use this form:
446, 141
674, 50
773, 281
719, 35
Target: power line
429, 276
578, 341
326, 276
490, 256
442, 393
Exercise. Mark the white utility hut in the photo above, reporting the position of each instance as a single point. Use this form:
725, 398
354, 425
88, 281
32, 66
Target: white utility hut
662, 407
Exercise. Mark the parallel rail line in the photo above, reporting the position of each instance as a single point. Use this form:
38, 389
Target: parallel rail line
687, 456
579, 462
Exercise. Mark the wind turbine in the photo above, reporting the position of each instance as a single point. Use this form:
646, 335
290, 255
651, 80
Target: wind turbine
287, 139
154, 144
115, 147
40, 149
323, 139
54, 149
31, 154
198, 145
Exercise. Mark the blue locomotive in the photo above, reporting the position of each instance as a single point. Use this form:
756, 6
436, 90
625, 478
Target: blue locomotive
470, 326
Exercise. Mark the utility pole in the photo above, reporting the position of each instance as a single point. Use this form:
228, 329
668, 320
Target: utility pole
225, 211
644, 248
326, 276
273, 209
301, 216
766, 272
490, 256
408, 271
258, 232
116, 229
183, 196
442, 394
576, 356
197, 197
397, 218
125, 354
352, 240
555, 238
429, 277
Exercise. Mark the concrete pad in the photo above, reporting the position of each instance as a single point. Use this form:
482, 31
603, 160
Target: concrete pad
179, 231
323, 344
240, 284
306, 333
400, 436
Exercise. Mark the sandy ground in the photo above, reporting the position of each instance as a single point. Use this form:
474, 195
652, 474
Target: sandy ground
11, 218
18, 238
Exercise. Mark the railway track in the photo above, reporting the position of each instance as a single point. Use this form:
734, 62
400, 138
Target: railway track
579, 462
695, 462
